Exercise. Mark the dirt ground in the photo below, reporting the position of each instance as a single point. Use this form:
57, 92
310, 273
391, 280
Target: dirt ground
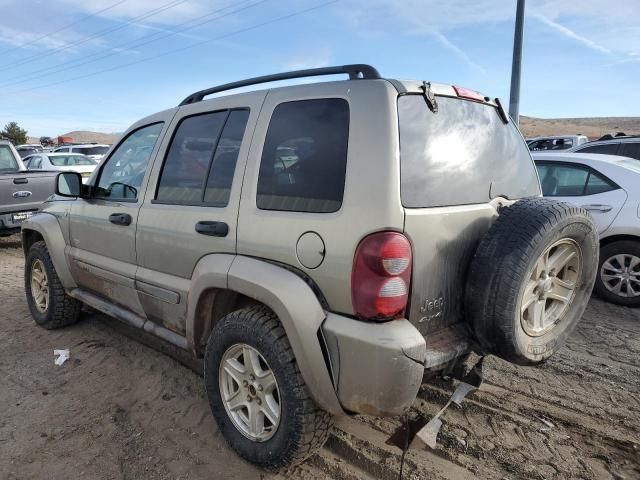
119, 409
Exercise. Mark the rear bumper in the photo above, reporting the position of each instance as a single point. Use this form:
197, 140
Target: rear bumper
377, 367
7, 223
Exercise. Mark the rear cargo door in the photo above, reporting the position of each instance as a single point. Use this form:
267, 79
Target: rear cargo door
455, 163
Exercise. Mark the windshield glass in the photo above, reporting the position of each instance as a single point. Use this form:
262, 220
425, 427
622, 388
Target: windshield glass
91, 150
464, 154
7, 160
66, 160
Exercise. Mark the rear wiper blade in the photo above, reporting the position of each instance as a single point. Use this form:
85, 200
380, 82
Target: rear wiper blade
501, 111
429, 97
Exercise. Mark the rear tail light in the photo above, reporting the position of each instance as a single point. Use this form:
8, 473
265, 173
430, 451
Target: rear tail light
469, 94
381, 276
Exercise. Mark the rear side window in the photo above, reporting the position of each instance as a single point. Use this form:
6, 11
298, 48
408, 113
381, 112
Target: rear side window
463, 154
201, 160
572, 181
608, 148
305, 157
631, 150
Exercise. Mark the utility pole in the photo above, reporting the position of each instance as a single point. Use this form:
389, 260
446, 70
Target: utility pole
516, 65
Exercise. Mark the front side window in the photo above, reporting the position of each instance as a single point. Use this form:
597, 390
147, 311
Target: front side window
122, 174
304, 159
571, 181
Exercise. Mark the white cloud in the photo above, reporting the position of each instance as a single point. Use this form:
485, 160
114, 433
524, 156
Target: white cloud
457, 50
602, 25
573, 35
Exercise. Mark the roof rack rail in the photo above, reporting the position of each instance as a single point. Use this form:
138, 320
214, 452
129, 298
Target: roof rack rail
355, 71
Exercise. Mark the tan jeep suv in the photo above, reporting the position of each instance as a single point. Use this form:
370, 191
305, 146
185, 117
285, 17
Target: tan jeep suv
321, 246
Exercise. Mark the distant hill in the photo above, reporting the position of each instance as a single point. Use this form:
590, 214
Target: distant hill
531, 127
84, 136
591, 127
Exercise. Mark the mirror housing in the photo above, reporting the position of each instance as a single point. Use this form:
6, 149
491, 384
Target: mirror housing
68, 184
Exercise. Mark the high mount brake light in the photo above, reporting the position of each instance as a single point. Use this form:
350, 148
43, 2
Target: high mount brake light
469, 94
381, 276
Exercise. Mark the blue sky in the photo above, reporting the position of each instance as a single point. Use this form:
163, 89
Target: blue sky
102, 64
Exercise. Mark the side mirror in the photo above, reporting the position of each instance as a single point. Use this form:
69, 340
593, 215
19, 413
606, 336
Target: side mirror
68, 184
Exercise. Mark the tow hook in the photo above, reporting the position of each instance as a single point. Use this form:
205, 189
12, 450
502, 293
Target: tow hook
420, 430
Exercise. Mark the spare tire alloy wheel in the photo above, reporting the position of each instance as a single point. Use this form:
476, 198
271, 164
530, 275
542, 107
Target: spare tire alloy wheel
249, 392
531, 278
620, 275
39, 286
551, 287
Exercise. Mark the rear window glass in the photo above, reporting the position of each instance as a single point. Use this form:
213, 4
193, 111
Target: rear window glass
7, 160
305, 157
91, 150
609, 148
551, 144
464, 154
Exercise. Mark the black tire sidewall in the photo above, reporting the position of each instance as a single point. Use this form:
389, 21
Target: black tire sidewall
39, 252
225, 334
536, 349
607, 251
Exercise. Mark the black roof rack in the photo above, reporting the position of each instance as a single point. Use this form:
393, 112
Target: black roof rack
356, 71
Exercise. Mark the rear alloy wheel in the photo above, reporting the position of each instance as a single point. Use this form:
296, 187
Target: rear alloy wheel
619, 273
249, 392
257, 394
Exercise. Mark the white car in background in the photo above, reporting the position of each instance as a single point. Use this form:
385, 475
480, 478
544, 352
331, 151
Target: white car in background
608, 186
94, 151
556, 142
62, 162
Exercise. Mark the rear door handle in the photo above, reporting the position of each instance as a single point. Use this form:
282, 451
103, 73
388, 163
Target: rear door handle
213, 229
120, 218
18, 181
598, 208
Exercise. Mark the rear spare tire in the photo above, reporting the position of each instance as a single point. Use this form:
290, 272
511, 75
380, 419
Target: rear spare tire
531, 278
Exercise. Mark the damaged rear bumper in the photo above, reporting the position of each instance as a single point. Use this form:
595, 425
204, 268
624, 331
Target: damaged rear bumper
377, 367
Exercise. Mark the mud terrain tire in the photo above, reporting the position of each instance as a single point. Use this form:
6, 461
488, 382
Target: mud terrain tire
61, 310
303, 427
513, 274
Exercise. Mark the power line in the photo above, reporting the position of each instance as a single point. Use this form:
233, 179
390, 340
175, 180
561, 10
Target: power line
100, 33
177, 50
69, 25
154, 37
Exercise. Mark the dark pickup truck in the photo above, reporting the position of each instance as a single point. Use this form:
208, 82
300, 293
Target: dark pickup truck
21, 192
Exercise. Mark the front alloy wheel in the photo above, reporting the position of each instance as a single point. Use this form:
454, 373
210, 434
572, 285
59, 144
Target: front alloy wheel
39, 286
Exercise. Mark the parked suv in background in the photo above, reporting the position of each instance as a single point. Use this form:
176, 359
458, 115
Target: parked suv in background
321, 246
92, 150
626, 146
